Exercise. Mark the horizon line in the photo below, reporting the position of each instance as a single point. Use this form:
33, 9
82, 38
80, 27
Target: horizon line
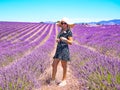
54, 21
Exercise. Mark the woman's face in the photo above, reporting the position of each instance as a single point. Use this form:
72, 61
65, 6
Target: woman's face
64, 25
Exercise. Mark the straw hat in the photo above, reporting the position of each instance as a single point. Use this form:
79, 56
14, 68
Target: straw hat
65, 20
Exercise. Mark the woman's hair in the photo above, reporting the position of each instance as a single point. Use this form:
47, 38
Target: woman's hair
68, 27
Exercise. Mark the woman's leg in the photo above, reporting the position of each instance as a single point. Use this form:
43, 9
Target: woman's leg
64, 65
54, 68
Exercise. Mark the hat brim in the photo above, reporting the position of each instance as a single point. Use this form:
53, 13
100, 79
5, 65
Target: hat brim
70, 25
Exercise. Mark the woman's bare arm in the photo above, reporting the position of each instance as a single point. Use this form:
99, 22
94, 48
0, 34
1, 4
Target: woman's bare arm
69, 40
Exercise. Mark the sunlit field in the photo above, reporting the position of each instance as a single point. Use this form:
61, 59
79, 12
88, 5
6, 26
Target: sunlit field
26, 51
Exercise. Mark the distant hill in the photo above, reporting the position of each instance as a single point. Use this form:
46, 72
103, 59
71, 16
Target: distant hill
109, 22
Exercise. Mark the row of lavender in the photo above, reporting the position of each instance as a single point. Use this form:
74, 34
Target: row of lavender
104, 39
9, 33
12, 51
23, 73
7, 28
95, 70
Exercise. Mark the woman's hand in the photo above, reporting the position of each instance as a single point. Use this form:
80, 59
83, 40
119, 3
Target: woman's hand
57, 40
63, 39
69, 40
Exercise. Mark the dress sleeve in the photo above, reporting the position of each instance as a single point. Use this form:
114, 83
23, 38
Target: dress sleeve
69, 33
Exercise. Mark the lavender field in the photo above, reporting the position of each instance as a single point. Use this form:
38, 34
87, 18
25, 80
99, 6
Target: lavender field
26, 51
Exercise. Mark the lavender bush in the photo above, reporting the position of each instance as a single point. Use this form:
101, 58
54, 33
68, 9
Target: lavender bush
27, 49
23, 74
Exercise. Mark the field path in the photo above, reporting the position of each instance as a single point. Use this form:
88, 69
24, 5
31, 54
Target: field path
72, 81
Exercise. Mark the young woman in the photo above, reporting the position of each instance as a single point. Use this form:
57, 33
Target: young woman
62, 51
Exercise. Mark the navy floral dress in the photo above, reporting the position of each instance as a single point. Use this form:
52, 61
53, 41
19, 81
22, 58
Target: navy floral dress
62, 51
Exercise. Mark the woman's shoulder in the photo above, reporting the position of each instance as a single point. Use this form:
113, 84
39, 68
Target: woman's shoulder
69, 31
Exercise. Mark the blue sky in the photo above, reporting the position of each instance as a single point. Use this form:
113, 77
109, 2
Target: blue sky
54, 10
